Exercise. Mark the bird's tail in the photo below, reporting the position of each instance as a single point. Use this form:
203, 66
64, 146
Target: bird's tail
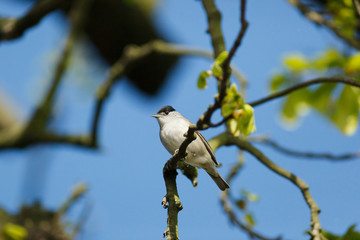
220, 182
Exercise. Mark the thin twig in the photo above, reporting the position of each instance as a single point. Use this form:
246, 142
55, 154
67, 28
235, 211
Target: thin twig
319, 19
225, 119
42, 113
225, 201
204, 121
303, 85
311, 155
14, 28
233, 218
315, 231
236, 45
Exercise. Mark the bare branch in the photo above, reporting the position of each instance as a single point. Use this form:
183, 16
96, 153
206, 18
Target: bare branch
309, 155
214, 29
303, 85
318, 18
315, 231
34, 131
237, 43
77, 16
234, 219
225, 201
357, 7
14, 28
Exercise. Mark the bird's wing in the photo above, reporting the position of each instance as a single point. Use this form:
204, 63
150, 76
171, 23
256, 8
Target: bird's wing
208, 147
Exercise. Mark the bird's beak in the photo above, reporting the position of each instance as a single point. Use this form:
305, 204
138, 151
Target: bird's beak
156, 115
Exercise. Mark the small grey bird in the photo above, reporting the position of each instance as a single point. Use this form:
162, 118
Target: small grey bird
173, 126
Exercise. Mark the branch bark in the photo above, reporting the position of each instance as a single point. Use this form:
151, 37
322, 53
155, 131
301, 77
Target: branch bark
309, 155
14, 28
35, 130
226, 203
303, 85
172, 198
315, 231
214, 29
357, 7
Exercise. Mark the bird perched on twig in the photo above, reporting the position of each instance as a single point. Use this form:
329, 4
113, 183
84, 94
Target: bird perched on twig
173, 126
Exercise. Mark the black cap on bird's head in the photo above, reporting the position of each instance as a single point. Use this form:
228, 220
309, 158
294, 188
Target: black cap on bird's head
166, 110
163, 111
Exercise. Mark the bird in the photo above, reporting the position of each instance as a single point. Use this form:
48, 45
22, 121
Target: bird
173, 126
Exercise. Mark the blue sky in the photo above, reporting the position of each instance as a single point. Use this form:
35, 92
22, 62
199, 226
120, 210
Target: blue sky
125, 175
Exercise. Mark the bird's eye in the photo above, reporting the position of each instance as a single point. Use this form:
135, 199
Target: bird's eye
167, 112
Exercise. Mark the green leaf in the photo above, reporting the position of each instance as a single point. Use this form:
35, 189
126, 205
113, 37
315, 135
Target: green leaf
352, 66
252, 197
232, 101
217, 70
296, 62
295, 104
331, 58
202, 83
233, 125
321, 98
227, 109
350, 234
277, 81
346, 113
246, 123
14, 232
249, 218
222, 57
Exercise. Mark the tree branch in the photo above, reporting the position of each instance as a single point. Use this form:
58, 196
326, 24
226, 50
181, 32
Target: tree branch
328, 156
34, 131
205, 120
43, 111
318, 18
357, 7
14, 28
224, 199
315, 231
172, 197
228, 210
236, 45
303, 85
214, 29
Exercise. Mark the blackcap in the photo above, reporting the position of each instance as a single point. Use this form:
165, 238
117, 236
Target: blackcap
173, 126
